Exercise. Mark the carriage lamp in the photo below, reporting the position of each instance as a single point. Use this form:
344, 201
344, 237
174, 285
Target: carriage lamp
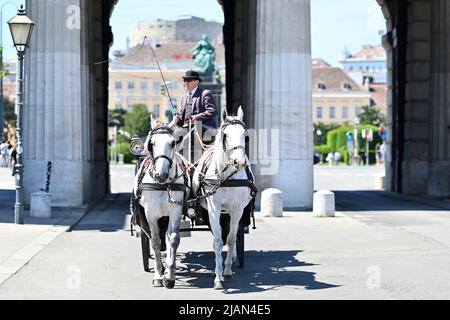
21, 27
136, 146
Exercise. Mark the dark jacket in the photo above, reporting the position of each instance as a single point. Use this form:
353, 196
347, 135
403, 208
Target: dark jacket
204, 108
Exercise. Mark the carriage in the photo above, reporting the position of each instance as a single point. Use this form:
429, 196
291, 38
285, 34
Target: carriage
194, 216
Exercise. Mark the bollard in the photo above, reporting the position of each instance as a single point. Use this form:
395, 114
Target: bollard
323, 203
272, 203
41, 203
121, 158
379, 182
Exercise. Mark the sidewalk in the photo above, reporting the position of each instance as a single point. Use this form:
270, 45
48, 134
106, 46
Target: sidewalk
20, 243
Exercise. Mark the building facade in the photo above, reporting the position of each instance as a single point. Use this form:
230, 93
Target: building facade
337, 98
369, 62
185, 28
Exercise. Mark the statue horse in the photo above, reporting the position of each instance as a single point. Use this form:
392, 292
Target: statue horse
160, 186
213, 180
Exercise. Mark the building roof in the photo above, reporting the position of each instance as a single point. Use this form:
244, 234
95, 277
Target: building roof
378, 93
369, 52
334, 79
319, 63
169, 54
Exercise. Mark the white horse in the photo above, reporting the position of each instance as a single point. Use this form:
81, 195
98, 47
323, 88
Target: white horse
226, 160
164, 171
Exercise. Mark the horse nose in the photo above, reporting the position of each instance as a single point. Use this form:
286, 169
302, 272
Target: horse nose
161, 177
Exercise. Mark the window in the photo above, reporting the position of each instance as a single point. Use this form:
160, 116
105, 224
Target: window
156, 85
357, 111
118, 84
344, 112
156, 110
143, 84
321, 86
351, 68
118, 106
130, 107
131, 85
319, 113
347, 86
332, 112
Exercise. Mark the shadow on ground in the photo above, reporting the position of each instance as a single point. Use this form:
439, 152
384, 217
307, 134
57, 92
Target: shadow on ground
108, 215
383, 201
263, 271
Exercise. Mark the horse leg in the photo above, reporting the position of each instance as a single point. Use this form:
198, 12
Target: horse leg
214, 219
173, 233
231, 243
156, 245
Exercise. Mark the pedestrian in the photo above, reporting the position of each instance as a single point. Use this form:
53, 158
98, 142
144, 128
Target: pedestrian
330, 159
383, 152
378, 153
337, 157
4, 154
13, 158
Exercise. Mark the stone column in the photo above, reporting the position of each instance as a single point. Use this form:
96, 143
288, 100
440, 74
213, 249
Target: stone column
283, 100
439, 148
60, 120
417, 100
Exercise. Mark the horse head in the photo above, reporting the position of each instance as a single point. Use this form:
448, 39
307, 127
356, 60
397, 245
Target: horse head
161, 148
232, 138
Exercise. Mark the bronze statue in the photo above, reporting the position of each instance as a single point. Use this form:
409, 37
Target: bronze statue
204, 55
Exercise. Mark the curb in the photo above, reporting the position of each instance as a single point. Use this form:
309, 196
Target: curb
22, 257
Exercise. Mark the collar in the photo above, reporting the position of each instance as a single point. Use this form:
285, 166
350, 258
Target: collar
193, 92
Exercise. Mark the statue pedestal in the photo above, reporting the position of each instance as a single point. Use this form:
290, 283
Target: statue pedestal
216, 90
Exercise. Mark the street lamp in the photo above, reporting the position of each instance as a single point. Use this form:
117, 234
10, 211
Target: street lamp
2, 104
356, 149
21, 27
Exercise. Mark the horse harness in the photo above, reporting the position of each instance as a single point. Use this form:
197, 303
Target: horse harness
227, 182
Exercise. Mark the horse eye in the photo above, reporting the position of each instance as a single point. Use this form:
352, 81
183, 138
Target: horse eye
172, 144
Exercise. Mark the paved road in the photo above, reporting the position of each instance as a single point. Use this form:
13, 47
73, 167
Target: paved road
379, 246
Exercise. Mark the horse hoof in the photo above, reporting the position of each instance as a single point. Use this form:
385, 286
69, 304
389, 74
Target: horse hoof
218, 285
157, 283
227, 278
169, 284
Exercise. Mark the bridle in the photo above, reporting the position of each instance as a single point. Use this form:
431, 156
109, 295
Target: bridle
224, 136
160, 130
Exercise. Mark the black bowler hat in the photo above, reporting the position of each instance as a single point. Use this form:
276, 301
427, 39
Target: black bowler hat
192, 75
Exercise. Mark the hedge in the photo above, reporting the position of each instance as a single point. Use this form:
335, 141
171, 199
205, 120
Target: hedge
337, 141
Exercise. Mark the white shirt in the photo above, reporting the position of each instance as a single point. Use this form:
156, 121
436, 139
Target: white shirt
191, 94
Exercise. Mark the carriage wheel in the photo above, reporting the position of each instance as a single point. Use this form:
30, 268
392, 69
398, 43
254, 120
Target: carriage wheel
240, 246
145, 244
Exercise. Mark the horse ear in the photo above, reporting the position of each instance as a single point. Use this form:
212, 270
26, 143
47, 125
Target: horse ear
153, 122
240, 113
224, 114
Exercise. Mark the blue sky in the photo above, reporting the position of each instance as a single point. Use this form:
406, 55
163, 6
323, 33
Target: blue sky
334, 23
9, 11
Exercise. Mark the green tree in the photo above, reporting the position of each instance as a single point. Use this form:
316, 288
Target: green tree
137, 121
372, 116
117, 117
10, 113
3, 67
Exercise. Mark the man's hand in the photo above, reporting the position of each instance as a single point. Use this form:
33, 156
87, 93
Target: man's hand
178, 120
193, 119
